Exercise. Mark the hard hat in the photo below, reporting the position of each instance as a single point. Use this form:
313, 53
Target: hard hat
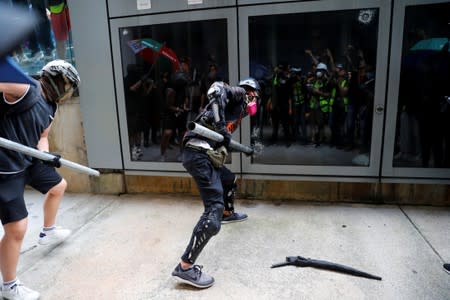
340, 66
322, 66
296, 70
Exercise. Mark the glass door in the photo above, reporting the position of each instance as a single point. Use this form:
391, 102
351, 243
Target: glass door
418, 143
163, 66
322, 66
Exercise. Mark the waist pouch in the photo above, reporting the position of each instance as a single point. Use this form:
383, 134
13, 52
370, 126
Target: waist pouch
218, 156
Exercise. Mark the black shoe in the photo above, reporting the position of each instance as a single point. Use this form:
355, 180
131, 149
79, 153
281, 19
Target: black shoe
234, 217
447, 268
193, 276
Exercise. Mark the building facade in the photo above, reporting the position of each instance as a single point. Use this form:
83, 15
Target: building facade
354, 103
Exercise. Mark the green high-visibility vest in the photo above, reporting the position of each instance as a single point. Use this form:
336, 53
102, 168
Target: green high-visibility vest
314, 102
321, 101
297, 94
344, 99
276, 80
344, 83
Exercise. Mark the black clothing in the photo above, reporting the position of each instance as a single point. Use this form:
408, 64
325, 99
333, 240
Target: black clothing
230, 101
15, 126
216, 185
23, 122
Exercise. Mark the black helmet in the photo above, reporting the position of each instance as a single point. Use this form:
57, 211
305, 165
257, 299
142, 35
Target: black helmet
251, 82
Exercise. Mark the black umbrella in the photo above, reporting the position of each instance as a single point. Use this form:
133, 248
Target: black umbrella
300, 261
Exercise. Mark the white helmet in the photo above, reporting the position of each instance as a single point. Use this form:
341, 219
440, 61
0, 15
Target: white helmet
251, 82
64, 68
322, 66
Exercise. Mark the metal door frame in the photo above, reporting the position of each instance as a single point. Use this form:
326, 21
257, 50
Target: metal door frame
390, 173
352, 173
115, 24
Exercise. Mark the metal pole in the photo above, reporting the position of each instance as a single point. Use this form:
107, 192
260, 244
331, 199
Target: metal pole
5, 143
212, 135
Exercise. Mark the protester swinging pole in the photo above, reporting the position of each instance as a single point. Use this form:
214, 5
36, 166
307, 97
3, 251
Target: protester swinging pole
44, 156
212, 135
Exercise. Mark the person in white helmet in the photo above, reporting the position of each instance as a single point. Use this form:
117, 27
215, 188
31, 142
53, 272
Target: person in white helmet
27, 112
320, 107
204, 160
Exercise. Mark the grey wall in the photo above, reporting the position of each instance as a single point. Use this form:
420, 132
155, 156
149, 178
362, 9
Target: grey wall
120, 8
97, 98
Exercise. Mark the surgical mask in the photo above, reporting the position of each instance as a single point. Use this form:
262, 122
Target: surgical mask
252, 108
319, 74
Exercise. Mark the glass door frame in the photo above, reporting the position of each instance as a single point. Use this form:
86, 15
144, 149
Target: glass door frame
203, 15
353, 173
390, 173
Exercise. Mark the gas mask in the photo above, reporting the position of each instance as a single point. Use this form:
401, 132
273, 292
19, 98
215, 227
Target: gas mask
252, 105
252, 108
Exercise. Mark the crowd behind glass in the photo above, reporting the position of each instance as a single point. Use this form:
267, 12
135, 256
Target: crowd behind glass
317, 79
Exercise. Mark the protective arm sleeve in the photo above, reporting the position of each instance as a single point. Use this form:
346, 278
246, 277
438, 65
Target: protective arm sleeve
236, 93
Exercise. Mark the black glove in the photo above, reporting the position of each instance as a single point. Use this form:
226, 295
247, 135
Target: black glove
55, 162
225, 142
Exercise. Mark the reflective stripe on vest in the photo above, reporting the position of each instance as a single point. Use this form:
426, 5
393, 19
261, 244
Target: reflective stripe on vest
297, 93
344, 84
314, 102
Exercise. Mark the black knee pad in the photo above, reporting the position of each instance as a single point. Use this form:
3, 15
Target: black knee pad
212, 221
207, 227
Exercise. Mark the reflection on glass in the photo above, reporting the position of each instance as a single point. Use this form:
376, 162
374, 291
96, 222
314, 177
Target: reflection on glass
318, 74
51, 38
423, 118
167, 70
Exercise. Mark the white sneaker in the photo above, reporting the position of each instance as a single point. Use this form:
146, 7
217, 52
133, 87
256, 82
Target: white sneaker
54, 236
19, 292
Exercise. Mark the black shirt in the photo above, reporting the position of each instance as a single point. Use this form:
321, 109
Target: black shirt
23, 122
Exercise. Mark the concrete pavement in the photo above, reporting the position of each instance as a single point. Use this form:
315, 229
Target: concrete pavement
125, 247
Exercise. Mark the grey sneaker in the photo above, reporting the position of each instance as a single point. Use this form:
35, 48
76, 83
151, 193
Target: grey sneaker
193, 276
19, 292
234, 217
